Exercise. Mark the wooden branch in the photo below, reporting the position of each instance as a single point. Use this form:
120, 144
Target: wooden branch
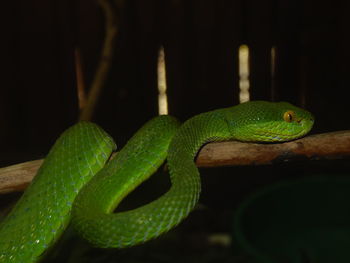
16, 177
334, 145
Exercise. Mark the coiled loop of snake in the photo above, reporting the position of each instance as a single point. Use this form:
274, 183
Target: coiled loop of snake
60, 192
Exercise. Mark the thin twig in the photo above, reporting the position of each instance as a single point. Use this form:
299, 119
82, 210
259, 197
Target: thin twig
105, 62
80, 79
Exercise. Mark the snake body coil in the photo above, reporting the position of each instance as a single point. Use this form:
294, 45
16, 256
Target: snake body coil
60, 192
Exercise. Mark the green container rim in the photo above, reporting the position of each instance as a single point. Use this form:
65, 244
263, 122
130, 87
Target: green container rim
238, 234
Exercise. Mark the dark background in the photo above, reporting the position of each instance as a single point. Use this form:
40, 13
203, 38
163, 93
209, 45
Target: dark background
201, 40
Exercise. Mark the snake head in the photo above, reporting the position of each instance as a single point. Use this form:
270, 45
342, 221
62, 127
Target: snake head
268, 121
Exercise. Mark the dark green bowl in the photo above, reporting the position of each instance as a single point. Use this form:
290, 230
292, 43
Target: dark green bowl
300, 221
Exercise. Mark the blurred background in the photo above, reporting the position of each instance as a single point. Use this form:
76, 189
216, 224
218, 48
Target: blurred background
217, 54
298, 52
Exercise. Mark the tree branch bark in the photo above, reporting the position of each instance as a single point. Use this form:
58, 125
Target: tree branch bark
333, 145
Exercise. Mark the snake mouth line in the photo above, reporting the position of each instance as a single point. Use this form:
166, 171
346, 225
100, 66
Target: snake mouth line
281, 137
305, 125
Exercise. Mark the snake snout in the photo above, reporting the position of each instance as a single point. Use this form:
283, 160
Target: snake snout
307, 124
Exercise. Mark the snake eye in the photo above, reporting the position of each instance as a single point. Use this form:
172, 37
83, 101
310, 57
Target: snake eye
288, 116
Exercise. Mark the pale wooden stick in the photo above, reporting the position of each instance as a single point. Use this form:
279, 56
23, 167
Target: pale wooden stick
162, 87
334, 145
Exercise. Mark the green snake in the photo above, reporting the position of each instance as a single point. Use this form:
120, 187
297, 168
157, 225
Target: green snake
60, 194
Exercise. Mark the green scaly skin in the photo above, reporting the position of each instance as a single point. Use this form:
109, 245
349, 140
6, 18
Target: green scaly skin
45, 209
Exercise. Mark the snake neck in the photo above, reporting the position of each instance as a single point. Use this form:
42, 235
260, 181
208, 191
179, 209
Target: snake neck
194, 133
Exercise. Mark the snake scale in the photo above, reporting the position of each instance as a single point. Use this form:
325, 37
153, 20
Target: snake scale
77, 184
